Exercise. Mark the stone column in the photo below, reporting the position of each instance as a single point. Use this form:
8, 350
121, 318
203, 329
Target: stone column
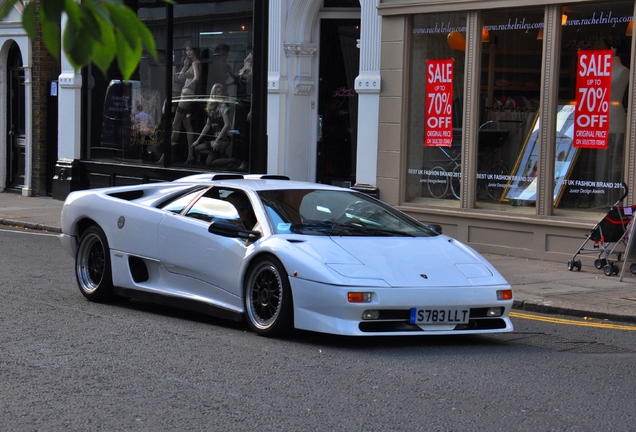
368, 86
67, 176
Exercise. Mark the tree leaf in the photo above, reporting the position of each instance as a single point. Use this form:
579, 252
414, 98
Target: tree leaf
90, 25
98, 10
78, 45
51, 35
28, 20
96, 31
7, 5
128, 56
51, 10
72, 12
105, 48
147, 40
126, 22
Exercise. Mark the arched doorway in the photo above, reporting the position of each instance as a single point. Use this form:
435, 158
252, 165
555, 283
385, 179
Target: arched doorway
16, 125
339, 61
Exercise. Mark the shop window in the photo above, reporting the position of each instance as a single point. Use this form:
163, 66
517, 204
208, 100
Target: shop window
435, 100
510, 83
210, 104
590, 178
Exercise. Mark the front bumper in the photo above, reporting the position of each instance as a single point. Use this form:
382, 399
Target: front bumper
324, 308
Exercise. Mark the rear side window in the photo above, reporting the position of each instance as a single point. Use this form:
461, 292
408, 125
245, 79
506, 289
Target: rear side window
212, 209
226, 205
178, 204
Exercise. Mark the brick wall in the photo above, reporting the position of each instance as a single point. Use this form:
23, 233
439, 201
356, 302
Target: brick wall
45, 68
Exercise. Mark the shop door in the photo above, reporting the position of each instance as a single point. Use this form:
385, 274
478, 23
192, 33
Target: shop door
16, 140
338, 101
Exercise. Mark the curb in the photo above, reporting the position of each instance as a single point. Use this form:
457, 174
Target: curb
29, 225
531, 306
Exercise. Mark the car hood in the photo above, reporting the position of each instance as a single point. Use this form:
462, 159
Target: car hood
408, 262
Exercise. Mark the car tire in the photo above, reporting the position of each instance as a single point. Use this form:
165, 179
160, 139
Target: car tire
92, 266
268, 299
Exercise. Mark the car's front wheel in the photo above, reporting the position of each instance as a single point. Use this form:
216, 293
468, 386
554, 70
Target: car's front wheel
268, 299
92, 265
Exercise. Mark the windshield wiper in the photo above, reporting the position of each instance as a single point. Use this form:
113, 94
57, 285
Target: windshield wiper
335, 228
299, 228
376, 230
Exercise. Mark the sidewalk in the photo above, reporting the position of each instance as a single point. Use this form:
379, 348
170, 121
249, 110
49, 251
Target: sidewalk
539, 286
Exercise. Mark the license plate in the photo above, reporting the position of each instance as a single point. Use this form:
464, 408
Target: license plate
439, 316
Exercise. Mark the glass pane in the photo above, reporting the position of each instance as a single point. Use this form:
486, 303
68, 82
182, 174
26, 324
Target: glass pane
125, 117
591, 177
212, 44
510, 86
437, 51
211, 93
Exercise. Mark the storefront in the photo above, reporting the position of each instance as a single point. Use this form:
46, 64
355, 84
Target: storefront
511, 127
299, 85
200, 107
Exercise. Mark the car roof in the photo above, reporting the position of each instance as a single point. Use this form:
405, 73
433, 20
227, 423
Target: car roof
256, 182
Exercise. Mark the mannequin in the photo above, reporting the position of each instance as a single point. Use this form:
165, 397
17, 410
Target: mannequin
189, 75
620, 79
609, 162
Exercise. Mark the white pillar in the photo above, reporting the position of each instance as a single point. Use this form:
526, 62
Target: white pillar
276, 89
27, 190
69, 109
367, 85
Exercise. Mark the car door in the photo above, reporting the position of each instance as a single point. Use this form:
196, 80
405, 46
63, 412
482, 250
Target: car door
187, 248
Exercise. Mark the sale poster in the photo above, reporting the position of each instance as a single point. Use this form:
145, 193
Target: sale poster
593, 81
438, 111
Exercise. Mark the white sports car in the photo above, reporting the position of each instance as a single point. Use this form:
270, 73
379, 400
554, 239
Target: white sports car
281, 254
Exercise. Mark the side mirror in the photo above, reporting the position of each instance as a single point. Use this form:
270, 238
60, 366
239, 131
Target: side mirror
436, 228
232, 231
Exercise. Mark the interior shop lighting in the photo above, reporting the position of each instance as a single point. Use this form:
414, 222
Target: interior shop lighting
485, 34
564, 19
630, 29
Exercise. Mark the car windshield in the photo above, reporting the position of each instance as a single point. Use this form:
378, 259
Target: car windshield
336, 212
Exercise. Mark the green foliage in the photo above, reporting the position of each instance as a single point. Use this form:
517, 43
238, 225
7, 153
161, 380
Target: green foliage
97, 31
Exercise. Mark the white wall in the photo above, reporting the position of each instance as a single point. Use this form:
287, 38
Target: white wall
293, 87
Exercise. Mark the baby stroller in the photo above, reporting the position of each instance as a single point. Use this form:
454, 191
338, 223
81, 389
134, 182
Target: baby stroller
608, 234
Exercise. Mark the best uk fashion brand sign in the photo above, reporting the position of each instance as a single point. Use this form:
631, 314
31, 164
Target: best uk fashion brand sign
438, 111
593, 80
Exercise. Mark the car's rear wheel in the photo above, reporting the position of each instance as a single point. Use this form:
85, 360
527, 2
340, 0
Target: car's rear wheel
92, 265
268, 299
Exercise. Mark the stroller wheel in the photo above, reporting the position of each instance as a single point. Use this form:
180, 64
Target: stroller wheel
577, 264
600, 263
570, 265
632, 268
610, 269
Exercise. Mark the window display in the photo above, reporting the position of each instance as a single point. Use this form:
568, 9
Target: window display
590, 31
435, 106
591, 113
212, 48
510, 91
